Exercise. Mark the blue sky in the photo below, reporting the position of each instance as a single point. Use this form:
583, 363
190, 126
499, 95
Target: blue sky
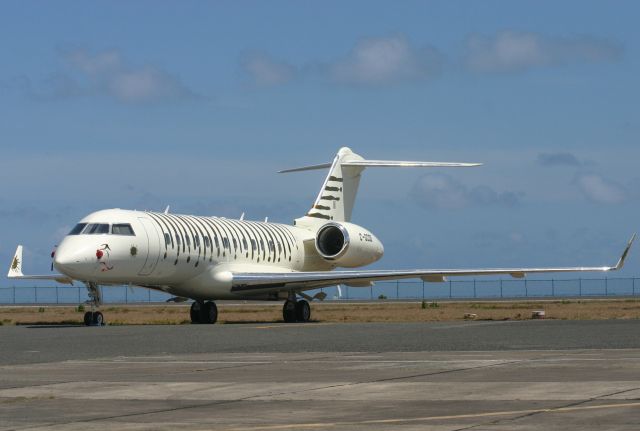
197, 104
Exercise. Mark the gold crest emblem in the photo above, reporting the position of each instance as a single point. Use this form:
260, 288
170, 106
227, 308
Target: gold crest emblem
15, 263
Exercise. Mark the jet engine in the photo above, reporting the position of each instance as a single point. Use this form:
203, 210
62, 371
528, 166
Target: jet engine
347, 245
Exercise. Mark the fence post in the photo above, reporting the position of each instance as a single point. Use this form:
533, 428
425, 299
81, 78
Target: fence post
14, 295
500, 288
633, 286
57, 299
149, 290
553, 287
126, 295
397, 289
449, 289
371, 291
78, 294
474, 288
526, 290
423, 289
606, 287
35, 290
580, 286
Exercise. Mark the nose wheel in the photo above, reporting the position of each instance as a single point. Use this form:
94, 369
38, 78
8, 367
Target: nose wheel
296, 311
203, 312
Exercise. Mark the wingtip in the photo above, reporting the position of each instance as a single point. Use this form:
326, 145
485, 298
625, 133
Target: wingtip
623, 257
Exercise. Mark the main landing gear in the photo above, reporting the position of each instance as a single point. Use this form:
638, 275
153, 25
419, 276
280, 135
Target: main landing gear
295, 310
203, 312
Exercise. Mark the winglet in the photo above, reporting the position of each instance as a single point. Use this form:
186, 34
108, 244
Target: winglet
15, 269
620, 263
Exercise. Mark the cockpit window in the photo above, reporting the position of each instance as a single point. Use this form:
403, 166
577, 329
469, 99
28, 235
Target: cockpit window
96, 229
77, 229
122, 229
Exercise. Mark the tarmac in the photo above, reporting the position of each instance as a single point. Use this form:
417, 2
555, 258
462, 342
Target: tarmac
512, 375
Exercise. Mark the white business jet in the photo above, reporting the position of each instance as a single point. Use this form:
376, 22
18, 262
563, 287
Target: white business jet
215, 258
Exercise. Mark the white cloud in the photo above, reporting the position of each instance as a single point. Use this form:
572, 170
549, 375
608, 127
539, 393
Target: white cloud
600, 190
107, 74
384, 60
511, 51
442, 191
558, 159
265, 71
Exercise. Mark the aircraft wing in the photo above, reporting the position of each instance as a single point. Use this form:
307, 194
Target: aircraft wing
267, 282
15, 271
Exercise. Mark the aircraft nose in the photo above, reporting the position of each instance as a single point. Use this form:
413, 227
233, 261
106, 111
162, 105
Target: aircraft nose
69, 260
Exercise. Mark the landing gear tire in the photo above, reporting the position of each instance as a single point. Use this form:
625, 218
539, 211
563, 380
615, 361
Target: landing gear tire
209, 313
289, 311
93, 318
303, 311
98, 319
196, 311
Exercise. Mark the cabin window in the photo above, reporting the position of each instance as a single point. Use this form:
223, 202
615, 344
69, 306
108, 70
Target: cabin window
253, 244
96, 229
122, 229
244, 243
77, 229
207, 242
167, 239
196, 241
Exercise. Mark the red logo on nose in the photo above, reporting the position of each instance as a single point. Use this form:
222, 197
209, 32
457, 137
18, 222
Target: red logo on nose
99, 254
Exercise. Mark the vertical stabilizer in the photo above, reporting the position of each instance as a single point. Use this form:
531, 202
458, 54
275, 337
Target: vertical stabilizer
338, 193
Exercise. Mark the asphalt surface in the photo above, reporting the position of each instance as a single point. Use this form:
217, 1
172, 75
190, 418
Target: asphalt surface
582, 375
31, 344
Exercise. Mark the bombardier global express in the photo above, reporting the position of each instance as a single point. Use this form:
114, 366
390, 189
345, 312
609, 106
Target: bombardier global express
215, 258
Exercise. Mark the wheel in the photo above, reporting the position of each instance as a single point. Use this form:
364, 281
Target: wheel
289, 311
194, 313
87, 318
98, 319
209, 313
303, 311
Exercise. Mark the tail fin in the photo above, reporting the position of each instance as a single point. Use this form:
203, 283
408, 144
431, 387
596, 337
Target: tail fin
338, 193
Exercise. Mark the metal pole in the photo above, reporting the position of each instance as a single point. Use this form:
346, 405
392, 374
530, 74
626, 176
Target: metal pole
500, 288
57, 299
526, 290
553, 287
397, 289
371, 292
606, 287
126, 295
633, 286
449, 289
35, 290
474, 288
149, 290
580, 286
14, 294
78, 294
422, 289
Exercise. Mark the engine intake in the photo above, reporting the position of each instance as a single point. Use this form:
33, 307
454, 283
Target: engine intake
348, 245
332, 241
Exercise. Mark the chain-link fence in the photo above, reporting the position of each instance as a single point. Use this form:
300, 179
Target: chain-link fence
397, 290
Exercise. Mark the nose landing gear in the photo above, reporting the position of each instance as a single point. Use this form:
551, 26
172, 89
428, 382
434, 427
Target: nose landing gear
93, 317
203, 312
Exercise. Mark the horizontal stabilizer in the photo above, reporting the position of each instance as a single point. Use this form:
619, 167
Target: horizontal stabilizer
408, 164
385, 164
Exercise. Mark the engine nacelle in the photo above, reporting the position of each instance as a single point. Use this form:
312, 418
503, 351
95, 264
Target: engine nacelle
347, 245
